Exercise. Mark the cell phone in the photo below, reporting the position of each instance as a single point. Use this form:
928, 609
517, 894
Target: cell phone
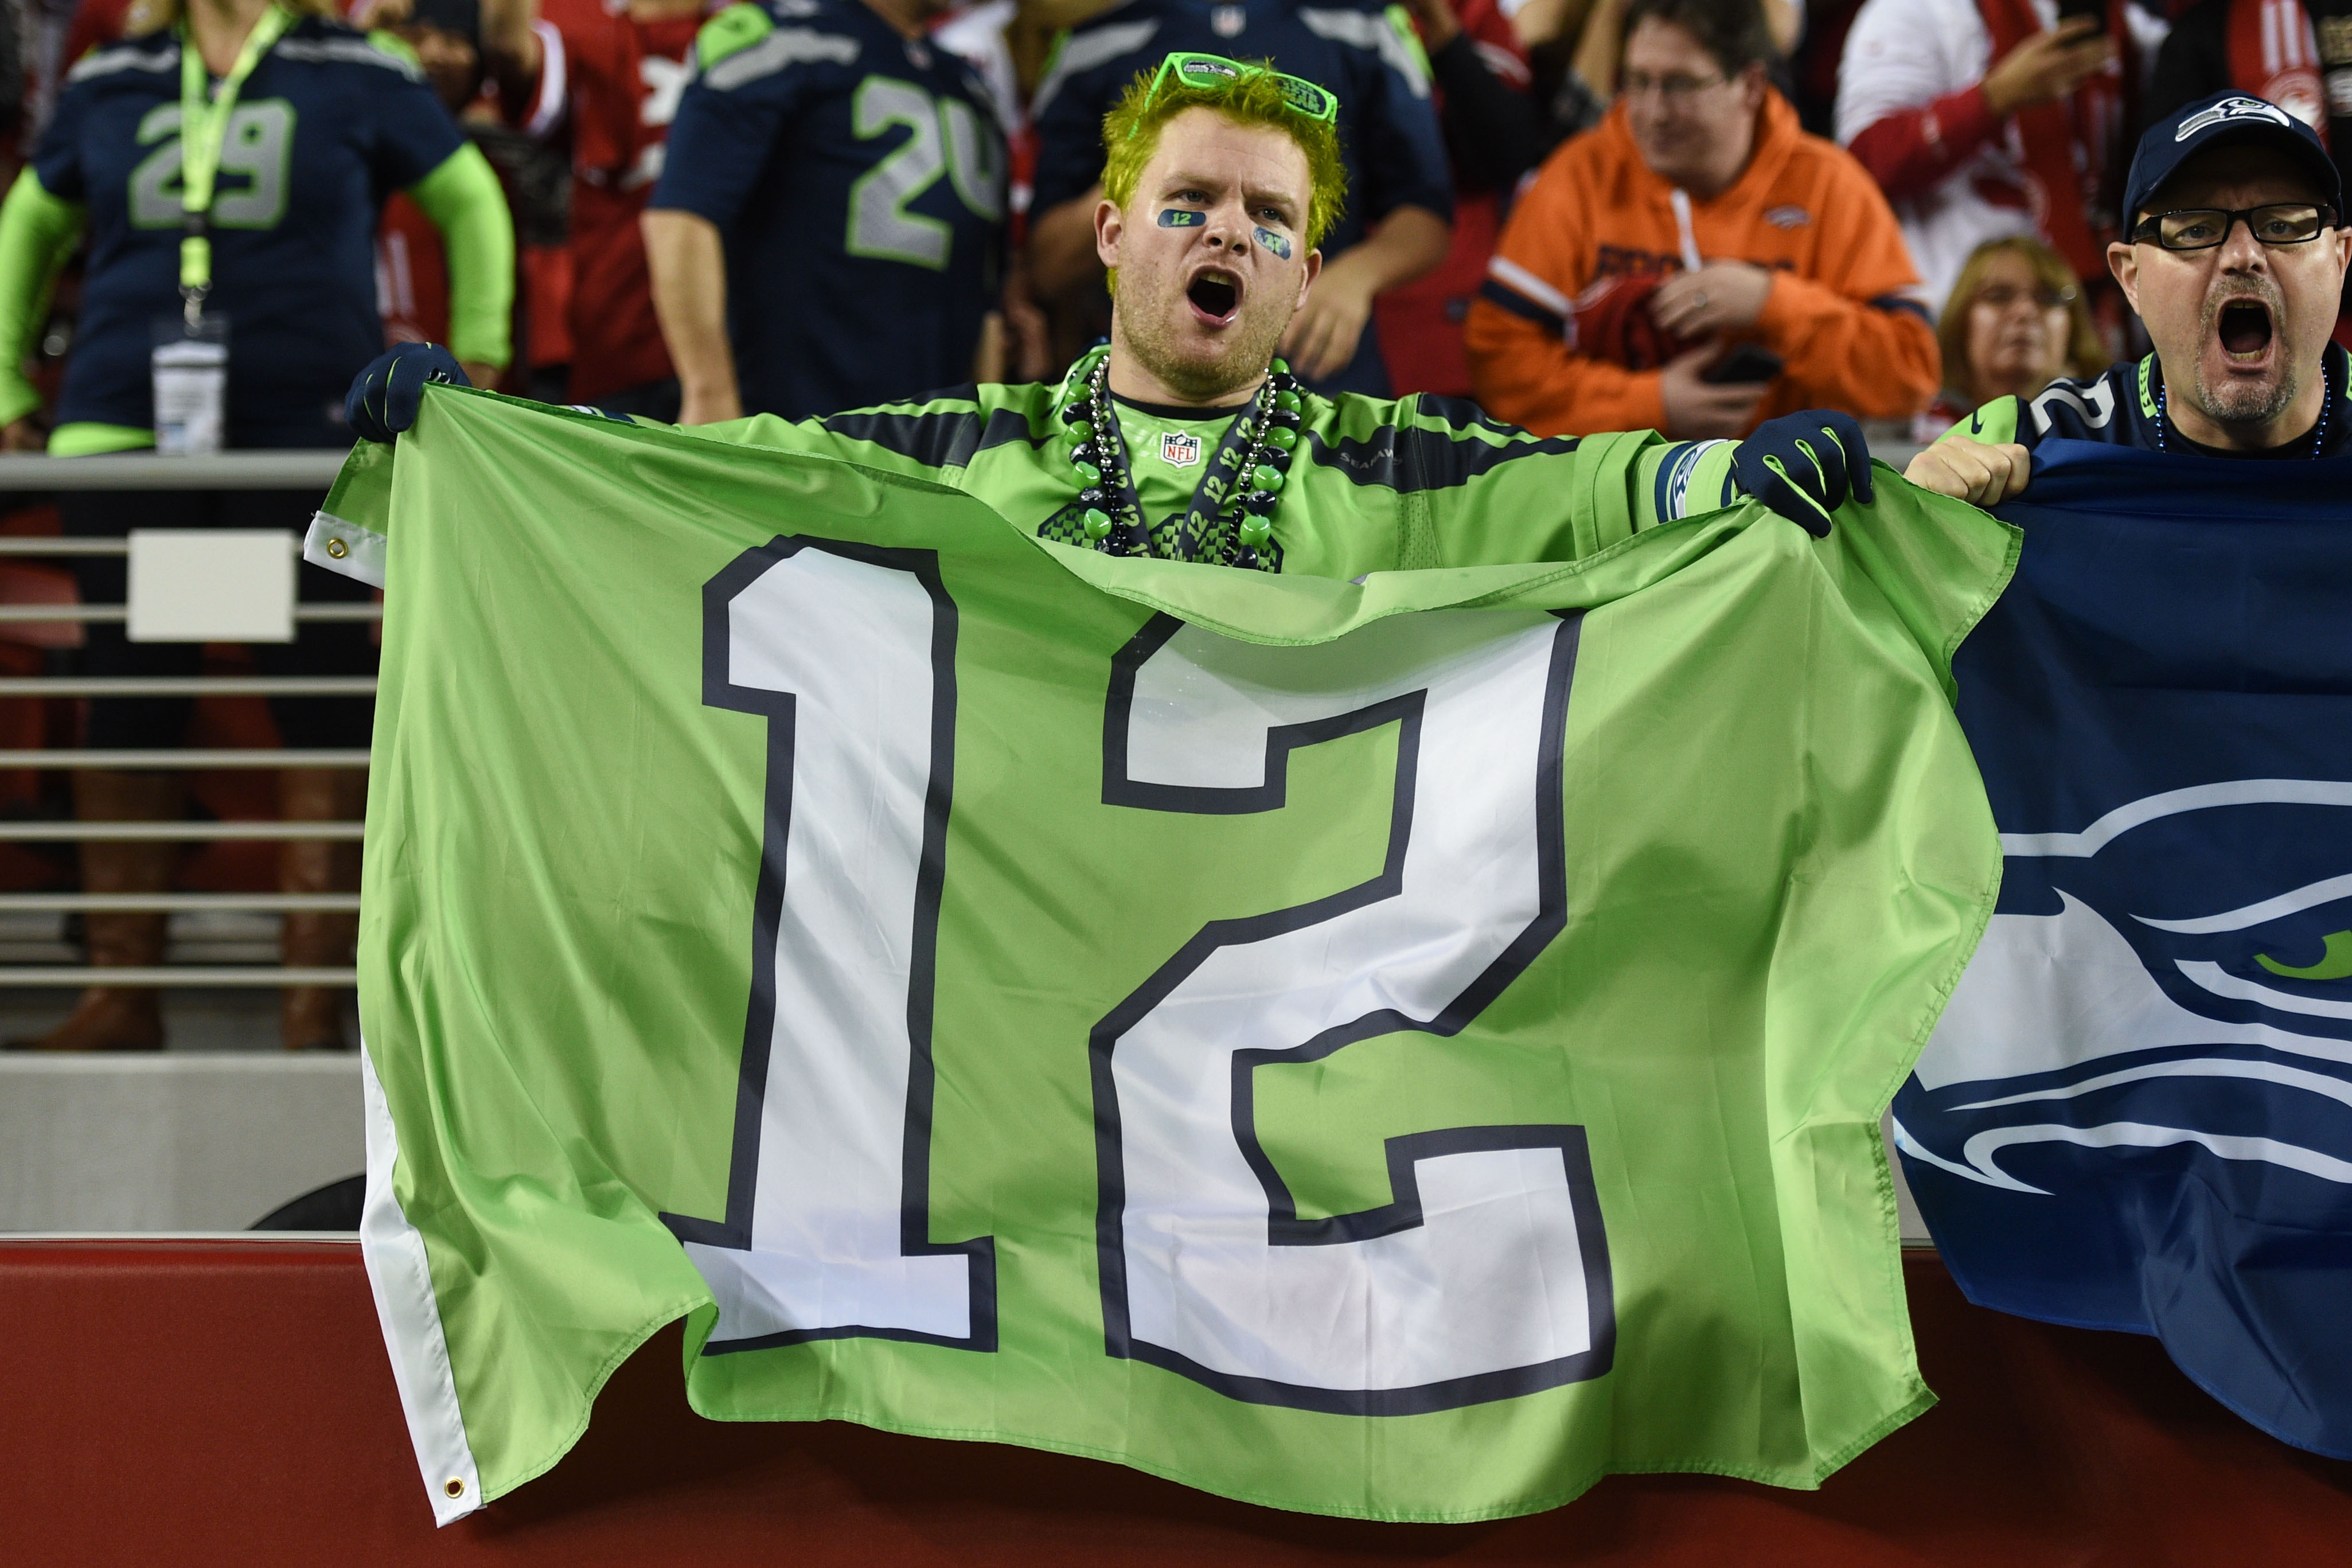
1749, 361
2096, 10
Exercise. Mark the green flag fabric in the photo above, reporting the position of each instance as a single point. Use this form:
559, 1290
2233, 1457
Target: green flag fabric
1403, 1049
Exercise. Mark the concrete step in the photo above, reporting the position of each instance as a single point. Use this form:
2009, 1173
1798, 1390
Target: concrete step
178, 1140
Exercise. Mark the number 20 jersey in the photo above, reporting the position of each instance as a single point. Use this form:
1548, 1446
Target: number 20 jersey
858, 177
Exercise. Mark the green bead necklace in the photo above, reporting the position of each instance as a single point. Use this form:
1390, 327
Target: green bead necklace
1231, 519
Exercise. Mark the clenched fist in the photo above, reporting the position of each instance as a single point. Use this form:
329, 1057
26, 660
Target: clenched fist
1978, 472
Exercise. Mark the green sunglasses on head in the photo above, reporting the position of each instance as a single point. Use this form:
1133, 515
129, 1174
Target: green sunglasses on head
1206, 71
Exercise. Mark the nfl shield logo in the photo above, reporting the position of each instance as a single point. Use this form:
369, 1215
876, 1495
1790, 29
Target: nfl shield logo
1182, 451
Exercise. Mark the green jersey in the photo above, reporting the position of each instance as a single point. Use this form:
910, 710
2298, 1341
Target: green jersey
1168, 448
1375, 484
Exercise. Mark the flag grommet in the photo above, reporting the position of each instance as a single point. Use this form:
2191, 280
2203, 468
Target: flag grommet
338, 549
455, 1485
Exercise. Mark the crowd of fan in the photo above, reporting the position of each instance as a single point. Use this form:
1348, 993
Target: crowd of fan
1585, 214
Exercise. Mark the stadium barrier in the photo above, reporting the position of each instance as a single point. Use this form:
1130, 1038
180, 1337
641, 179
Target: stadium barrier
34, 474
194, 1402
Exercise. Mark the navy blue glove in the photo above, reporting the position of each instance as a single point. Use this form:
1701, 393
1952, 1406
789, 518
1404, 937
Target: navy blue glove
384, 397
1801, 465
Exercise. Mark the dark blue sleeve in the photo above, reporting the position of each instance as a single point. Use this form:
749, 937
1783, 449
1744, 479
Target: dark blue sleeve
1399, 158
57, 162
1069, 136
728, 121
412, 134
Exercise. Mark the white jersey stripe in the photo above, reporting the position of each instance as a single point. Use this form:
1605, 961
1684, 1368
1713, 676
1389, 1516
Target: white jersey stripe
1513, 276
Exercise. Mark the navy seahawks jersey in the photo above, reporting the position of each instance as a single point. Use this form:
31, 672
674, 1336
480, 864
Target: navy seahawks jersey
2121, 408
859, 178
325, 127
1388, 136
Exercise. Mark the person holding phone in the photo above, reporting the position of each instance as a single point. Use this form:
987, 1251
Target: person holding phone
1697, 264
1983, 119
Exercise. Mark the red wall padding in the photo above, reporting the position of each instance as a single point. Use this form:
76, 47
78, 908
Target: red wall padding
195, 1403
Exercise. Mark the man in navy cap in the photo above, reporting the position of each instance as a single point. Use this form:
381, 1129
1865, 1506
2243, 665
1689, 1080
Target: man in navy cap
2235, 261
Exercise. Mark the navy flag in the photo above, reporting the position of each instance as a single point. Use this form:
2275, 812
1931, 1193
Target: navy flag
2137, 1112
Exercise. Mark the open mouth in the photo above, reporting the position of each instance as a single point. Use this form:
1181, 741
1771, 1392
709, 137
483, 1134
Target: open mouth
2245, 328
1216, 295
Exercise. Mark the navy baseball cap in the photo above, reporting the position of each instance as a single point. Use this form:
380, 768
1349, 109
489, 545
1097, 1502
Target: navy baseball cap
2222, 120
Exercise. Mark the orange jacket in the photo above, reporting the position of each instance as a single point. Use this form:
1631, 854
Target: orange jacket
1844, 311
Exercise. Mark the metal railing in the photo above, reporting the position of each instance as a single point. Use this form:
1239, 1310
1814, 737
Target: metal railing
36, 473
23, 474
187, 904
28, 474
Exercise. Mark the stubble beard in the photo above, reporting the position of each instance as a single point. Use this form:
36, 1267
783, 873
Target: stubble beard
1153, 339
2238, 401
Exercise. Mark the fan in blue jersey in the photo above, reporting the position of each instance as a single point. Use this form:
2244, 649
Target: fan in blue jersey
826, 231
1399, 192
2133, 1115
230, 199
327, 125
2236, 264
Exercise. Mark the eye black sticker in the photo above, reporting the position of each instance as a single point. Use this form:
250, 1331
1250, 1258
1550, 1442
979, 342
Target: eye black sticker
1181, 217
1274, 243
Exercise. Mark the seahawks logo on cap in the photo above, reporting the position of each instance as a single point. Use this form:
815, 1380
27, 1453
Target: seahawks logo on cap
2232, 109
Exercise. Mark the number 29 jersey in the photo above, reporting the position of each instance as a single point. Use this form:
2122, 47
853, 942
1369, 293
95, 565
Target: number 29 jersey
327, 125
858, 177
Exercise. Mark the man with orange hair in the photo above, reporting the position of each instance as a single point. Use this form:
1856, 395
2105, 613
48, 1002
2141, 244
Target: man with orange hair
1185, 438
1697, 264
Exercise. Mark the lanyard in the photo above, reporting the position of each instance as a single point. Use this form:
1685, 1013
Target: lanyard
204, 131
1217, 482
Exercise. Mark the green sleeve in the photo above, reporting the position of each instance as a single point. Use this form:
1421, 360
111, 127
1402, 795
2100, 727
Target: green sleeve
38, 232
1427, 482
1995, 424
463, 199
941, 439
814, 438
768, 430
1564, 499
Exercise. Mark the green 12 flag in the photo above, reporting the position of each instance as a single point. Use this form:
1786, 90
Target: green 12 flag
1405, 1048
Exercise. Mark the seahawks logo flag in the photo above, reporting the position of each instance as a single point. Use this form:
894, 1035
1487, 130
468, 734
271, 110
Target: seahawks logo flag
1402, 1049
2138, 1113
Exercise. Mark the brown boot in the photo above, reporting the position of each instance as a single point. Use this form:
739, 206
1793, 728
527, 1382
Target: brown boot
120, 1017
311, 1017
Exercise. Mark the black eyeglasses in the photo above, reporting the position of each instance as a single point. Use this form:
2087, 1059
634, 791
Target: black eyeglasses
2202, 229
